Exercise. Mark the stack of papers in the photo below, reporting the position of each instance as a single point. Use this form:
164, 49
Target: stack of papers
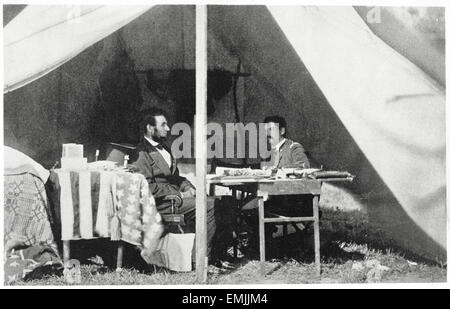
72, 157
226, 171
102, 165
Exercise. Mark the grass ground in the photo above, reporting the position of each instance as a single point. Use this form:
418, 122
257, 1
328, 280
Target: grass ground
350, 245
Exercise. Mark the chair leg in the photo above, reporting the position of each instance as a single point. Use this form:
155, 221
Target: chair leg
119, 256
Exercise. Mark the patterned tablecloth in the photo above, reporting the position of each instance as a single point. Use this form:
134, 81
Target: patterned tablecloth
88, 200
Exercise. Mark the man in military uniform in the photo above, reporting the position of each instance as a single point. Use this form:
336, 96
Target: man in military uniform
284, 153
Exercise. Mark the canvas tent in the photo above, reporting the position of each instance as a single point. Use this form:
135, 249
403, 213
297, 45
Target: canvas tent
354, 102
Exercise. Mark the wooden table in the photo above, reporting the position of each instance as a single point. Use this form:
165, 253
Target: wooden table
262, 188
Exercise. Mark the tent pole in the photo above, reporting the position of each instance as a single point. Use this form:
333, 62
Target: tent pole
201, 66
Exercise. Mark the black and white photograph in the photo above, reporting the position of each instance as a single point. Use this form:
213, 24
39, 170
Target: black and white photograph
199, 144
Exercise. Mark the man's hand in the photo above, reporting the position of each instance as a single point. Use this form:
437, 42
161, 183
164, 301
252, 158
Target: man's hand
188, 193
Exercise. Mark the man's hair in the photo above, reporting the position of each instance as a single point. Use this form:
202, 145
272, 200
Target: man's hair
278, 120
148, 117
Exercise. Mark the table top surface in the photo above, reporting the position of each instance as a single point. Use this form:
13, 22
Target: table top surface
246, 179
239, 180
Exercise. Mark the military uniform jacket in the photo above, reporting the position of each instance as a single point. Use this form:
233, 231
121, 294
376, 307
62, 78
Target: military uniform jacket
291, 155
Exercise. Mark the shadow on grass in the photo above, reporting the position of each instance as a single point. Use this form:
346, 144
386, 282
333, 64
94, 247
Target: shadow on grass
100, 255
298, 246
103, 254
337, 228
354, 227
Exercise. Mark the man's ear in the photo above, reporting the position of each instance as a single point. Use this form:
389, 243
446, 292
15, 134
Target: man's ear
282, 131
149, 128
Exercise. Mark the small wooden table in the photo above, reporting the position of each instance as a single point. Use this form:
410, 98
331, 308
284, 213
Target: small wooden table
264, 187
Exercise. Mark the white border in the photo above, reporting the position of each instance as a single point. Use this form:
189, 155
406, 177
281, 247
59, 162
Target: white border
391, 3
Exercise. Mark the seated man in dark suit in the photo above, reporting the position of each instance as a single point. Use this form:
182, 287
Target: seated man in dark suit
155, 161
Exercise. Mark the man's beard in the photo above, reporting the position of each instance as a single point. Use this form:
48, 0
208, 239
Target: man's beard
158, 138
271, 142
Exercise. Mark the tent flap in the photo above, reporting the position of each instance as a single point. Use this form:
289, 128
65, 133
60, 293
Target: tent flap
394, 111
41, 38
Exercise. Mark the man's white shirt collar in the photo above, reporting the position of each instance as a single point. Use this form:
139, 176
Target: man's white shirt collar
154, 144
166, 155
278, 146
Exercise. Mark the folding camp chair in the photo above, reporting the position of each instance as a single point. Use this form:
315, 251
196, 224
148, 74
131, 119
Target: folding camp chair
174, 219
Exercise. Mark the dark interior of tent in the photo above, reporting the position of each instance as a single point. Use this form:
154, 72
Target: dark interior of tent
253, 71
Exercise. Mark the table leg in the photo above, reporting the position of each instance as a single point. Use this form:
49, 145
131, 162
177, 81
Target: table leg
119, 255
316, 233
66, 250
262, 249
235, 228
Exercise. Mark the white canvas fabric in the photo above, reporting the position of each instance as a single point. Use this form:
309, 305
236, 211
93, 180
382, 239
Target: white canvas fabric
174, 252
42, 37
18, 162
394, 112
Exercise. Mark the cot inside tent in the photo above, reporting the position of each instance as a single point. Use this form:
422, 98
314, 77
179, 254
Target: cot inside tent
354, 102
